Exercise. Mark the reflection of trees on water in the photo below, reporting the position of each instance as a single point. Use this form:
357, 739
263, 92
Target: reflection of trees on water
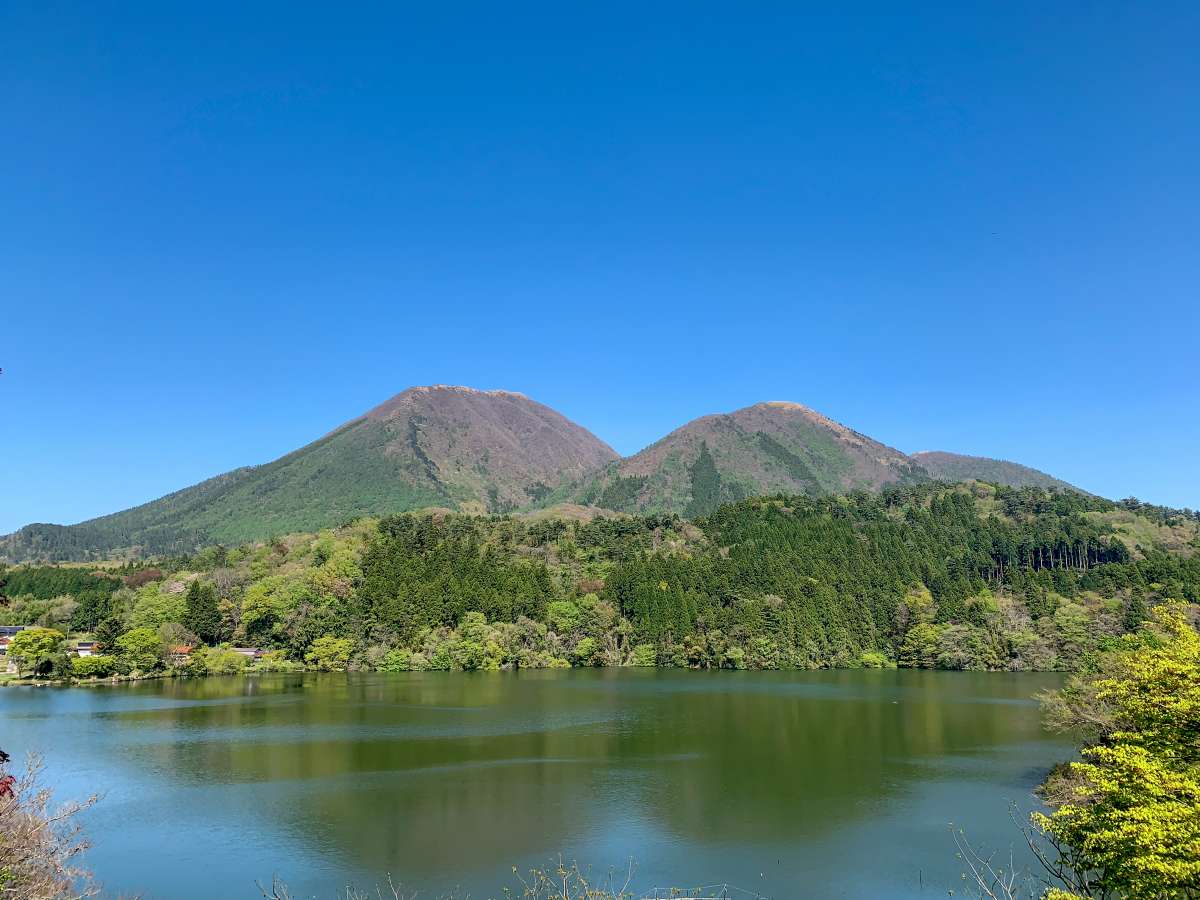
428, 772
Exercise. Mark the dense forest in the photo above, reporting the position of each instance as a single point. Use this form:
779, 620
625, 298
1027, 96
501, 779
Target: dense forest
974, 576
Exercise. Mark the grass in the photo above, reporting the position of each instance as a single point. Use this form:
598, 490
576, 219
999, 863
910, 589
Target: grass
1135, 530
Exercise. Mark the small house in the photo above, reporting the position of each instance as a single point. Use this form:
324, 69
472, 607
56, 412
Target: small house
85, 648
252, 652
179, 655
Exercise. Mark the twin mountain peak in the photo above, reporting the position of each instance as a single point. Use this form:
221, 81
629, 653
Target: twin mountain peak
501, 452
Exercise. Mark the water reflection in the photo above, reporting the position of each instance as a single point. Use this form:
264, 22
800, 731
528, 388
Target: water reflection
453, 778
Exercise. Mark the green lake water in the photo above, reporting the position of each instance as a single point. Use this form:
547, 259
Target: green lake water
796, 784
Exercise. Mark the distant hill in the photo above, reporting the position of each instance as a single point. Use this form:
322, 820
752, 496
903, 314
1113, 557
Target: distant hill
957, 467
480, 451
498, 452
767, 448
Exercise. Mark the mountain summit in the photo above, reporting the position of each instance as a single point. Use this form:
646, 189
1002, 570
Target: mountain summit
442, 445
767, 448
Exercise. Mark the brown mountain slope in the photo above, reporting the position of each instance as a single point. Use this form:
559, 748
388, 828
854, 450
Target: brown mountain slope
957, 467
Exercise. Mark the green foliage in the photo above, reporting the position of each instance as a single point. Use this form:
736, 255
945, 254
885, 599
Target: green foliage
976, 577
1127, 818
645, 655
53, 612
419, 574
706, 484
398, 660
157, 604
217, 661
276, 661
140, 650
98, 666
621, 492
329, 653
89, 592
201, 615
36, 649
587, 651
563, 616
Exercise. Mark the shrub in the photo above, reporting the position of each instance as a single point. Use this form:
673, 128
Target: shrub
329, 653
223, 662
585, 651
140, 650
36, 649
93, 666
276, 661
563, 616
41, 844
397, 661
645, 655
468, 655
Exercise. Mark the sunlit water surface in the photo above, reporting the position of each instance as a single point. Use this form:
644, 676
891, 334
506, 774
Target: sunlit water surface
805, 784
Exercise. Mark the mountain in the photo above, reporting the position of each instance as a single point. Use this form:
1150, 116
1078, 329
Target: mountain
956, 467
768, 448
478, 451
497, 452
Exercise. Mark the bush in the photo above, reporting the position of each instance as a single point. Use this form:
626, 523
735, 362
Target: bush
468, 655
397, 661
223, 662
645, 655
329, 653
873, 659
140, 650
93, 666
585, 651
41, 844
36, 649
276, 661
563, 616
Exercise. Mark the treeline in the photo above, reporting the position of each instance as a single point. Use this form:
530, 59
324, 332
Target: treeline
73, 597
968, 577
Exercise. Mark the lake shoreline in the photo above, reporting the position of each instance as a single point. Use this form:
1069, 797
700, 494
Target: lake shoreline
23, 681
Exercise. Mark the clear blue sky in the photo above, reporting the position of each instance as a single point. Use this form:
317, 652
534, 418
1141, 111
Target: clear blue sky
227, 228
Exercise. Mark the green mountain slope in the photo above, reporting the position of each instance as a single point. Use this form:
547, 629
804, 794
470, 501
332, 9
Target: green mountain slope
957, 467
483, 451
767, 448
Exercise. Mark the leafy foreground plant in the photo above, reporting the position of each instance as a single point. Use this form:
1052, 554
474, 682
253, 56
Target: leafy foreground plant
38, 844
1125, 821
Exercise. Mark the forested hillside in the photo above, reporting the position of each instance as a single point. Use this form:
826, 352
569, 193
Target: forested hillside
963, 577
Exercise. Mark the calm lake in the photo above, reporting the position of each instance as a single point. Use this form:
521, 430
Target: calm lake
797, 784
